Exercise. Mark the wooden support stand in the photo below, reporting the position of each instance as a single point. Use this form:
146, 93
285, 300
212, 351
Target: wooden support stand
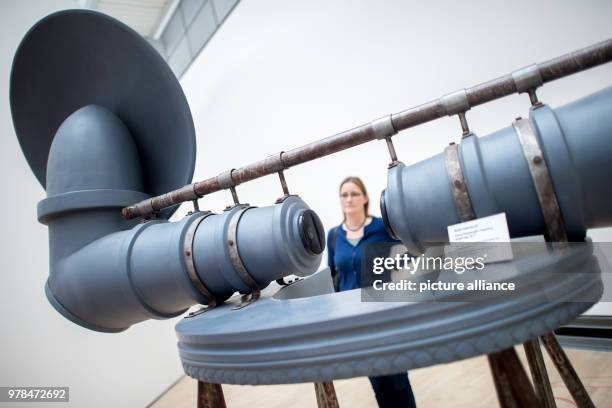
513, 386
511, 382
539, 375
326, 395
210, 395
566, 371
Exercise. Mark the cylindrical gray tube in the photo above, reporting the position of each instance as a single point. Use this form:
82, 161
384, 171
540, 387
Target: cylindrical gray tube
107, 273
269, 241
574, 140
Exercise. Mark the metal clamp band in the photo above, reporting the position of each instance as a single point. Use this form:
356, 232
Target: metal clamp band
237, 264
147, 206
463, 204
555, 227
383, 127
225, 179
274, 162
455, 102
186, 193
189, 263
527, 78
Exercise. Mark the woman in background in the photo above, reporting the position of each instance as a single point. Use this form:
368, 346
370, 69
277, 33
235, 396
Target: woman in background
344, 246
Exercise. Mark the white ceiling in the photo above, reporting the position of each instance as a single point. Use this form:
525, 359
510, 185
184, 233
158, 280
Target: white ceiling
147, 17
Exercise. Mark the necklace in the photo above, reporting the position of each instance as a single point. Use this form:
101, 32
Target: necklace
357, 228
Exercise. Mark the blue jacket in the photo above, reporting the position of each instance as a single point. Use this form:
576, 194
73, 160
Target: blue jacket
344, 259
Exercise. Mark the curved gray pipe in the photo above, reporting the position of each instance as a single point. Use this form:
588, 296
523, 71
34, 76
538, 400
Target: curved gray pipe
575, 140
107, 273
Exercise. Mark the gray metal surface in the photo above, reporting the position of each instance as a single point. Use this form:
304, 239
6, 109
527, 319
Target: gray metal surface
383, 127
542, 183
254, 290
527, 79
234, 255
456, 182
319, 283
575, 145
332, 336
76, 58
111, 282
190, 265
455, 102
420, 205
106, 273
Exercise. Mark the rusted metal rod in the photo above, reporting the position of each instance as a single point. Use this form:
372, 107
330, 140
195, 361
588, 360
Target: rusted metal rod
524, 80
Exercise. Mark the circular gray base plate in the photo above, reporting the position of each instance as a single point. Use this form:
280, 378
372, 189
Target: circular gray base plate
338, 335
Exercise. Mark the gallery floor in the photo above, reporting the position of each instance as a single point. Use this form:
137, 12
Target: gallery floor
464, 383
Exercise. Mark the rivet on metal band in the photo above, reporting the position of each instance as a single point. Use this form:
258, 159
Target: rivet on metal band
555, 227
463, 204
237, 264
189, 263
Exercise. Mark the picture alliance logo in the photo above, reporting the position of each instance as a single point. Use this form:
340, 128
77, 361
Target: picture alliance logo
423, 263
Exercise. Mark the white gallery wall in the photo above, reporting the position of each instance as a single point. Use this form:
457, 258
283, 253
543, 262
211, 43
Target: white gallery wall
38, 347
277, 75
281, 74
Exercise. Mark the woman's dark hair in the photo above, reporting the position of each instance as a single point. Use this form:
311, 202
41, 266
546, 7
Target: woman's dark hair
359, 183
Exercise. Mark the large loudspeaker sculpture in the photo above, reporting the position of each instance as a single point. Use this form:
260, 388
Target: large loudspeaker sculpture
104, 124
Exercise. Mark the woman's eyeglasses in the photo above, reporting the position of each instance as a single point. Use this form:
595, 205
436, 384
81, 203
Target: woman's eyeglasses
351, 194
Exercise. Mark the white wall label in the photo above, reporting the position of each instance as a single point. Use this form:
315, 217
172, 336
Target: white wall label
484, 231
488, 229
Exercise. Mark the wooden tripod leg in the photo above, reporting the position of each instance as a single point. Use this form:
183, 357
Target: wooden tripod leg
210, 395
326, 395
566, 371
539, 373
514, 390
